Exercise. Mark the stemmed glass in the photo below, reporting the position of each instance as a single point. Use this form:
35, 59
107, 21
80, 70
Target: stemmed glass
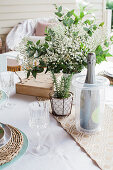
7, 84
3, 99
38, 122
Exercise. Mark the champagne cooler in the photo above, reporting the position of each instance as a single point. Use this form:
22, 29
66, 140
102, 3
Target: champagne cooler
89, 103
89, 99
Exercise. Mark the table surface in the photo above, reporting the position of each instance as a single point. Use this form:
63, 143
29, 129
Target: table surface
64, 153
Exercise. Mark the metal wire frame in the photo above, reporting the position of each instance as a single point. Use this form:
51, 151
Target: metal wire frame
51, 95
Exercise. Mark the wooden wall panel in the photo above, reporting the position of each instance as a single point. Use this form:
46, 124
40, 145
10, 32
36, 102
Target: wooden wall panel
13, 11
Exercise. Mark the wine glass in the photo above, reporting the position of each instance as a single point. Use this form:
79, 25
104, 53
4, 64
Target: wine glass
3, 99
7, 84
38, 122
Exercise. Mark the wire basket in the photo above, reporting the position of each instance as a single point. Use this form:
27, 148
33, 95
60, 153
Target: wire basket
61, 107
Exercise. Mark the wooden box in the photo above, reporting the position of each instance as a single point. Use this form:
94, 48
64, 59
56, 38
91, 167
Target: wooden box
41, 86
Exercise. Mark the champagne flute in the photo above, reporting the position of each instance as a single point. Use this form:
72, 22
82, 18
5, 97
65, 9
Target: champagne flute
3, 99
7, 84
38, 122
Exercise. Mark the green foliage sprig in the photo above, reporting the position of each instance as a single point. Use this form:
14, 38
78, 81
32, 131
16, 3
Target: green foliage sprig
62, 87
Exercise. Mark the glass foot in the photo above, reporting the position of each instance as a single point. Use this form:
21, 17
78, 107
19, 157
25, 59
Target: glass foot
38, 151
9, 105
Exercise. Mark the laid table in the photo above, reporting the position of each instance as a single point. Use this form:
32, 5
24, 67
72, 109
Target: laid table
64, 152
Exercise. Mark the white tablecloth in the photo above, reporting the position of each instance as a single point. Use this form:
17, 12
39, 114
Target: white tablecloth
64, 153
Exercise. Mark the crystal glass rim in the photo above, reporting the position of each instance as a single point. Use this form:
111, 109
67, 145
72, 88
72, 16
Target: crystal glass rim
38, 104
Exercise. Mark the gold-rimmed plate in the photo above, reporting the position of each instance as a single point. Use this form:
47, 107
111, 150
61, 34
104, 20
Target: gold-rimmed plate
1, 133
7, 135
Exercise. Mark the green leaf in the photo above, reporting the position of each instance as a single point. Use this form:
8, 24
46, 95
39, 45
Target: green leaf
94, 27
42, 63
48, 38
99, 48
76, 20
101, 24
46, 45
75, 33
38, 42
90, 33
40, 69
75, 15
100, 54
29, 43
81, 45
59, 14
70, 22
65, 22
60, 9
108, 55
81, 14
89, 22
106, 44
86, 29
34, 73
70, 13
111, 38
28, 73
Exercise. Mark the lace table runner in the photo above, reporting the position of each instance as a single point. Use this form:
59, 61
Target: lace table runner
99, 147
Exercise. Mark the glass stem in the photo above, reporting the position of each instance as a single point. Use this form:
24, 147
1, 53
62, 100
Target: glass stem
39, 141
8, 95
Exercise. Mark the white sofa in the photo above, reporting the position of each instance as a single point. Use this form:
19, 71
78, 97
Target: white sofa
15, 36
25, 29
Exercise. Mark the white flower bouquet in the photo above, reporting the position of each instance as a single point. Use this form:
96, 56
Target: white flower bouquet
67, 44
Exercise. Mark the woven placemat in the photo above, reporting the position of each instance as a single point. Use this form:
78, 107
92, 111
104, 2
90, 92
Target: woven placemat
12, 148
99, 147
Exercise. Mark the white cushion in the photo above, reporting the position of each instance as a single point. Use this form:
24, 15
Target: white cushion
23, 29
